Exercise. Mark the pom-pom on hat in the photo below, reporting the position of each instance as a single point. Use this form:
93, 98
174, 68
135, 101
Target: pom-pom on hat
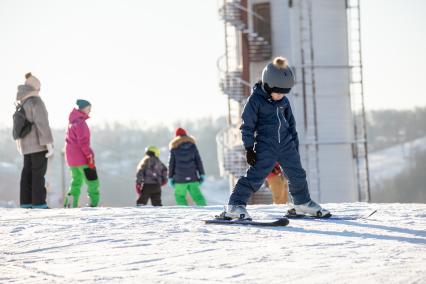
32, 81
180, 132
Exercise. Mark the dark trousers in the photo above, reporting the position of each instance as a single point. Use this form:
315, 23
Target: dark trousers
266, 157
33, 190
150, 191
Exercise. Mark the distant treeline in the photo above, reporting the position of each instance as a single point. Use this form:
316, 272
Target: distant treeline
119, 147
386, 128
118, 141
407, 187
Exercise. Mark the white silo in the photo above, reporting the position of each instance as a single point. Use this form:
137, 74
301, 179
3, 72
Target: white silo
321, 39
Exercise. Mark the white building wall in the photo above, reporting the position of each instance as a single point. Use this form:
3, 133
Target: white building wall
335, 127
338, 174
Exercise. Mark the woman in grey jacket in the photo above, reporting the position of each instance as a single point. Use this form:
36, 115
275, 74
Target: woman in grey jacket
36, 146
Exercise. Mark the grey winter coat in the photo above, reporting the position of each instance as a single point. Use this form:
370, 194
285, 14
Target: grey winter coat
151, 171
36, 112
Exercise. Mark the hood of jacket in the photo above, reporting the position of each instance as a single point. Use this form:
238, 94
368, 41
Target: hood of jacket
31, 88
179, 140
77, 115
24, 92
259, 90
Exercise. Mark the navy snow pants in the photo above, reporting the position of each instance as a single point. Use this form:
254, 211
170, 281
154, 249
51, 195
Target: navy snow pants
267, 154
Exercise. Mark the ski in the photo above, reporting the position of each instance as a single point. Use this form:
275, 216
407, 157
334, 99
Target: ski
331, 217
273, 223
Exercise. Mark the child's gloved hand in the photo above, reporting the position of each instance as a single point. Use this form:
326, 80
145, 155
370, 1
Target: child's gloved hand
171, 182
202, 178
250, 156
139, 188
90, 162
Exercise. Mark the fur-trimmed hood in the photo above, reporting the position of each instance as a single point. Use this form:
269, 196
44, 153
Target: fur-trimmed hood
179, 140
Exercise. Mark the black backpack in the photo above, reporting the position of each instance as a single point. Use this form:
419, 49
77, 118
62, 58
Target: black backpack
21, 125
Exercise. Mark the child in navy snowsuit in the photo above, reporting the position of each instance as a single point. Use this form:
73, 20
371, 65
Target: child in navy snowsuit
269, 136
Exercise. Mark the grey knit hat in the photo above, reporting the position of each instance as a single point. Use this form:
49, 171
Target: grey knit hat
277, 76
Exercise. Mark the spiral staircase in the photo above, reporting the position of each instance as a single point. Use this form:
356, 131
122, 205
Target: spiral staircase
234, 14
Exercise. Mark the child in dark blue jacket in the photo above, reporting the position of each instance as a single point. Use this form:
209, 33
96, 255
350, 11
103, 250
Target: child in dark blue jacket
269, 136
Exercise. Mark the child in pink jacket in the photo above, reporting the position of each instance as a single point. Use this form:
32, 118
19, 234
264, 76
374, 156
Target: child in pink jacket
80, 156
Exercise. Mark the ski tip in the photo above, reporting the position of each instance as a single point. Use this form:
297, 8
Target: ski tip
282, 221
371, 214
328, 215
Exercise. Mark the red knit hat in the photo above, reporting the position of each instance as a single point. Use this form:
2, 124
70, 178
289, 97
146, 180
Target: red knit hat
180, 132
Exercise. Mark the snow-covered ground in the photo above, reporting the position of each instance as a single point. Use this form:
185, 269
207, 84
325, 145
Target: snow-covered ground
173, 245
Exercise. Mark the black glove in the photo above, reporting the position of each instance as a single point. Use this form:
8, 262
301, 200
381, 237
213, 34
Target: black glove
250, 156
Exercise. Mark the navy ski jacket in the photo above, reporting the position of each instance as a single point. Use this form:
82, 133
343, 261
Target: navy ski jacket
185, 163
266, 120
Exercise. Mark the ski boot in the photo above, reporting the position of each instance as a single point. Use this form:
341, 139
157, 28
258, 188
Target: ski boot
311, 209
232, 212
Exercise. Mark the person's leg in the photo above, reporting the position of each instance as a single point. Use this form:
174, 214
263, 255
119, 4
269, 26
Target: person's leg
93, 192
272, 186
196, 195
139, 200
92, 189
156, 195
25, 184
255, 176
77, 177
289, 160
38, 171
145, 194
180, 194
276, 184
285, 191
281, 192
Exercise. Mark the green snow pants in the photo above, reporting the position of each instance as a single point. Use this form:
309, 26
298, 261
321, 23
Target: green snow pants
78, 177
194, 190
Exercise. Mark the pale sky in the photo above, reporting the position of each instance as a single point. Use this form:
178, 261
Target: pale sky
155, 61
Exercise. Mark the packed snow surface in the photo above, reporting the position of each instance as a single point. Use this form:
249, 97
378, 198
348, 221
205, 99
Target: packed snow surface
173, 245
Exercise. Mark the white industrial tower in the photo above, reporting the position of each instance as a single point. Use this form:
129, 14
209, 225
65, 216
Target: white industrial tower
322, 40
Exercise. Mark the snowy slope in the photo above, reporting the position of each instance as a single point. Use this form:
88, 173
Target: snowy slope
172, 245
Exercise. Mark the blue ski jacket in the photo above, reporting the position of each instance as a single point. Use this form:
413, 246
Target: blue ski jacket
268, 121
